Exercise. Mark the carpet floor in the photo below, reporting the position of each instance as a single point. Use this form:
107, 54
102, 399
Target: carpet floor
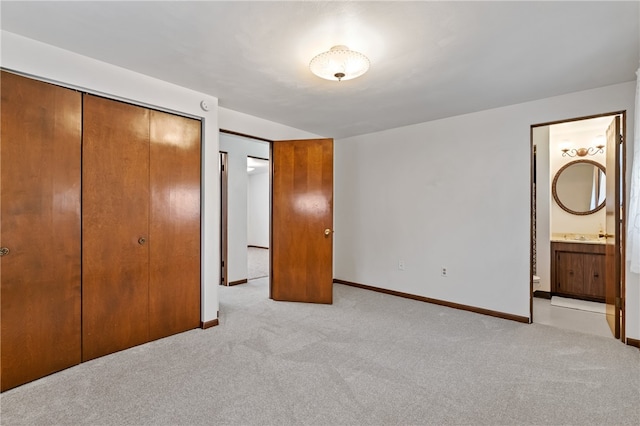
368, 359
257, 262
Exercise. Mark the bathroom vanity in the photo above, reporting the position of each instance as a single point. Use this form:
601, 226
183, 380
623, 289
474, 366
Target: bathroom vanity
577, 269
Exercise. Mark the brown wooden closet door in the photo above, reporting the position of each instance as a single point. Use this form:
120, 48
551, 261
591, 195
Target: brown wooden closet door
174, 234
115, 217
40, 226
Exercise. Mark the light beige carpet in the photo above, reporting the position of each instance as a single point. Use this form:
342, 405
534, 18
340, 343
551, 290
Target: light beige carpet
368, 359
257, 262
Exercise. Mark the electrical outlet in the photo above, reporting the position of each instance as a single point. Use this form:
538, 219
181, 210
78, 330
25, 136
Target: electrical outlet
401, 265
443, 271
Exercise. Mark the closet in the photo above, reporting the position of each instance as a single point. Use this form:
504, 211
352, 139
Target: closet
40, 151
100, 225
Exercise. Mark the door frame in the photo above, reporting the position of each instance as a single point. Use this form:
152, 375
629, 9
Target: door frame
271, 174
623, 205
224, 214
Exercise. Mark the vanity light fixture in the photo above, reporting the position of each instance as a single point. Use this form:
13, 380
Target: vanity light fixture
339, 63
582, 152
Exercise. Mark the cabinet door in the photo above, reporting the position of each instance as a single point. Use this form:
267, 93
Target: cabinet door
174, 235
569, 273
115, 217
594, 269
40, 226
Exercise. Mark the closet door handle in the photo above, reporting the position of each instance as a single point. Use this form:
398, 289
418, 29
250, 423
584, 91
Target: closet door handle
142, 240
4, 251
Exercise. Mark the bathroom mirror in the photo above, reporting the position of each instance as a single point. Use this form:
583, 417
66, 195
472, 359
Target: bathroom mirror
579, 187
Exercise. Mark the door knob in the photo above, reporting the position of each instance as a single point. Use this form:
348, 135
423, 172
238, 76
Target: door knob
142, 240
4, 251
327, 232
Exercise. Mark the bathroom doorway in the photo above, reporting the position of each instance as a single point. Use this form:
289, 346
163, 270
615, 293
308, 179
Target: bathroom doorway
577, 251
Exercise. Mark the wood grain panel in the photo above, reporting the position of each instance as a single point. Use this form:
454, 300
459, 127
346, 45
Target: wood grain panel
577, 270
40, 224
174, 234
594, 270
115, 215
302, 210
570, 273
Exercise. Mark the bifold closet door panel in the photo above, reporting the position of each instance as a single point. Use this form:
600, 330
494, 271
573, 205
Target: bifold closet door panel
174, 282
115, 233
39, 229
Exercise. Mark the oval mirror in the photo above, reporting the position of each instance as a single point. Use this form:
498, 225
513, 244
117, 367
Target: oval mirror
579, 187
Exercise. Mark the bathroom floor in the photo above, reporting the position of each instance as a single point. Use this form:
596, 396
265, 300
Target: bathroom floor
570, 319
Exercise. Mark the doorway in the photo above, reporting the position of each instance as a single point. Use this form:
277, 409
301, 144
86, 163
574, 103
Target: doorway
258, 217
245, 209
299, 219
577, 251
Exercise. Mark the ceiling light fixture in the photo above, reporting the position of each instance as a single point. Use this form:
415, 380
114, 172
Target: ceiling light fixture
582, 152
339, 63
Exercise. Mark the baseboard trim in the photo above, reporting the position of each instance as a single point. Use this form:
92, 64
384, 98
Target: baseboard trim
208, 324
262, 247
238, 282
633, 342
473, 309
542, 294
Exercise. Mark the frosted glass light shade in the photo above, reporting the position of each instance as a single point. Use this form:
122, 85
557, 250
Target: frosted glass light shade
339, 63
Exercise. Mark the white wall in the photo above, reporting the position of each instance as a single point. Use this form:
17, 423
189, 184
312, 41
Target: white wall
258, 210
257, 127
454, 193
238, 148
71, 70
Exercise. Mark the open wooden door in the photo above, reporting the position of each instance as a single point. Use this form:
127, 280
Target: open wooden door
302, 221
612, 229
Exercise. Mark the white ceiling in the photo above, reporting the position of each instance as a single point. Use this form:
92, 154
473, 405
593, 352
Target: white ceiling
429, 60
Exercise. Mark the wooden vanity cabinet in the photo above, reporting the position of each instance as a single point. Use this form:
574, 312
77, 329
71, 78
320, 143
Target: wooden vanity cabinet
577, 270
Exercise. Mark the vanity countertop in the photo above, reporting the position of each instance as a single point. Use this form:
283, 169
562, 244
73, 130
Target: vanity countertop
578, 238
